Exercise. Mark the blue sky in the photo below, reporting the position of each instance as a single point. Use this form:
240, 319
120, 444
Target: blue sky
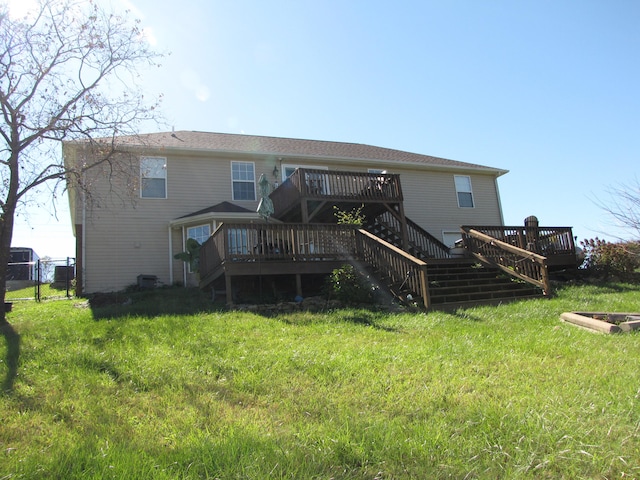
548, 90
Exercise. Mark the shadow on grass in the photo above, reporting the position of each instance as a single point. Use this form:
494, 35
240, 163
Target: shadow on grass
463, 314
13, 354
361, 317
152, 303
599, 285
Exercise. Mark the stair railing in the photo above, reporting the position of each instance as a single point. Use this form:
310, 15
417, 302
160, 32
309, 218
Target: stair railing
400, 267
425, 244
517, 262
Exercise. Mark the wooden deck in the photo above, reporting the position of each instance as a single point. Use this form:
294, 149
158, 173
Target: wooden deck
556, 244
270, 249
309, 195
297, 249
396, 249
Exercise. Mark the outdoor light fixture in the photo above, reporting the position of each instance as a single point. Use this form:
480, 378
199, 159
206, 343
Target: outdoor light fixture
275, 171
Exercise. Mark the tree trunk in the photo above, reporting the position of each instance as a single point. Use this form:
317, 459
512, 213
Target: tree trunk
6, 234
7, 219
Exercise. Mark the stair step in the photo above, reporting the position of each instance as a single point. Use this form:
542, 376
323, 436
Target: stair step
472, 297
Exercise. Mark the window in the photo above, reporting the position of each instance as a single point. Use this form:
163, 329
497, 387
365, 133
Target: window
238, 242
463, 189
153, 177
201, 233
243, 179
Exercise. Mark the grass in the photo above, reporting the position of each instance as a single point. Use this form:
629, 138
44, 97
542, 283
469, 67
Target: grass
123, 391
47, 291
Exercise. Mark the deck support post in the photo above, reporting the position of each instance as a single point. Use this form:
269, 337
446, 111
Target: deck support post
298, 284
227, 282
304, 211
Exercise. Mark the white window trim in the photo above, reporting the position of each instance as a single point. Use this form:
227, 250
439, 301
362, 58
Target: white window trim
255, 195
473, 200
186, 237
166, 184
198, 226
284, 166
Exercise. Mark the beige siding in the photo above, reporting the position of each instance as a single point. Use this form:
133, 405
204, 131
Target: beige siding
430, 200
127, 235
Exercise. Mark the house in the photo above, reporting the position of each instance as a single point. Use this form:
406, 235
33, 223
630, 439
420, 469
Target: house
167, 187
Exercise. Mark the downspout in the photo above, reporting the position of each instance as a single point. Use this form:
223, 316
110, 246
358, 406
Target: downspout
184, 264
170, 257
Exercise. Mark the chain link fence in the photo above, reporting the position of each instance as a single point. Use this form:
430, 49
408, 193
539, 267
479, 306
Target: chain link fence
42, 279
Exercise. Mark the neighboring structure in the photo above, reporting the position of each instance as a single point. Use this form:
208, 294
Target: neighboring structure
23, 265
188, 183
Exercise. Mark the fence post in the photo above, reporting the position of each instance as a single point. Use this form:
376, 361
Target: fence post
66, 276
38, 278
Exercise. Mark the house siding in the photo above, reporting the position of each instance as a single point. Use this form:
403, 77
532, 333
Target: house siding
125, 236
430, 200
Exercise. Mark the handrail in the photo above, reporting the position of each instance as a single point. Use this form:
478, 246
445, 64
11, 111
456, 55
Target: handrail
398, 265
318, 184
422, 242
307, 242
544, 241
265, 241
523, 264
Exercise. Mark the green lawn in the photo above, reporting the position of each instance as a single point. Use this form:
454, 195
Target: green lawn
492, 392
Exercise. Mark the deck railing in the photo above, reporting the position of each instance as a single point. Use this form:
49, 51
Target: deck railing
422, 242
244, 242
544, 241
399, 267
514, 260
336, 185
291, 242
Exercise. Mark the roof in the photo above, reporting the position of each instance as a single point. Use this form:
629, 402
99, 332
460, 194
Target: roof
287, 147
223, 207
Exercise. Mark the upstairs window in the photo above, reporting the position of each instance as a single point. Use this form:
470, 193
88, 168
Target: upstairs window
463, 190
153, 177
243, 178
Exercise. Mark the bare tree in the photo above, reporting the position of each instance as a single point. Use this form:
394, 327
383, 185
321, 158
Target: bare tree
623, 206
69, 70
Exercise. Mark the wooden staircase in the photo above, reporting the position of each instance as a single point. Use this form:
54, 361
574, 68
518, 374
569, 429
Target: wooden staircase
452, 282
464, 282
501, 263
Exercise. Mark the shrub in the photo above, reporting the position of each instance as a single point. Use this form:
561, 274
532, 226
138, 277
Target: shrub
352, 217
620, 259
349, 286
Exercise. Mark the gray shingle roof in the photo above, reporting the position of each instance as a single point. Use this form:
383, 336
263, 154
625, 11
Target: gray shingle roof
287, 147
223, 207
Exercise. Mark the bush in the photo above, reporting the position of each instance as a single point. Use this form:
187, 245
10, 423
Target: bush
352, 217
619, 259
349, 286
